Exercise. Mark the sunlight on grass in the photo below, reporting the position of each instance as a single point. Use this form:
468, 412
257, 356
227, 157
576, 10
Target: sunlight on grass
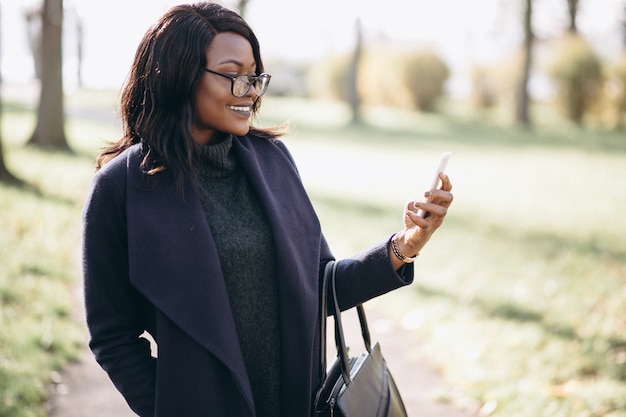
39, 254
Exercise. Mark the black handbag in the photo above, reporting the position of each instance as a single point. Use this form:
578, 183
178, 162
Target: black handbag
360, 386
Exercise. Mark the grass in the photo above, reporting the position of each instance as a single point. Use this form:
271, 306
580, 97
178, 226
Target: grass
519, 299
37, 333
39, 258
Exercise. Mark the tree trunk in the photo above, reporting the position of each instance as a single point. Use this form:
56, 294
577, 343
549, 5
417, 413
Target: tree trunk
572, 9
80, 34
522, 100
353, 76
624, 29
50, 129
33, 28
243, 7
6, 176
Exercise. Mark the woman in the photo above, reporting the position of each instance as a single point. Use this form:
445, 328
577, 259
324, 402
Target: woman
198, 233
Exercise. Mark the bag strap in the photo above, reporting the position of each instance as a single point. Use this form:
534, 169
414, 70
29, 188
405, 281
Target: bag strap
365, 331
328, 270
328, 284
340, 340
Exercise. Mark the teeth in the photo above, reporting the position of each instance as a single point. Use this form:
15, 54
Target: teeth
239, 108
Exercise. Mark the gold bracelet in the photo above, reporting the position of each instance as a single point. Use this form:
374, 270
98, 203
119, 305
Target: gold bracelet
399, 254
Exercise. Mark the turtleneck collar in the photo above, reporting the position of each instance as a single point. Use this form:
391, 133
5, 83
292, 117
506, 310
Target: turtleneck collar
217, 160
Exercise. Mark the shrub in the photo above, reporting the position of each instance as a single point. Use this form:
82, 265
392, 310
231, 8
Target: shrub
614, 95
387, 76
576, 72
328, 78
380, 81
425, 75
484, 87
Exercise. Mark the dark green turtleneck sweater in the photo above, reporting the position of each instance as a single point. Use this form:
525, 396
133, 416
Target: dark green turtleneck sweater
246, 251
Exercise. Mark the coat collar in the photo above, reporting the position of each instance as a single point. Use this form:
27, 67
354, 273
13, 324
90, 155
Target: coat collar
174, 261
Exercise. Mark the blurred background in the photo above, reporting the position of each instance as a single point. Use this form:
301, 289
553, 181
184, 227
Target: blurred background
519, 299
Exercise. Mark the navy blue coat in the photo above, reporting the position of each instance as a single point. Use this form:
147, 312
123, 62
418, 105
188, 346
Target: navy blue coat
150, 264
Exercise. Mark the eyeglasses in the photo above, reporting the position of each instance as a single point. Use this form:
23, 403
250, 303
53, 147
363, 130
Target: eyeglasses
240, 83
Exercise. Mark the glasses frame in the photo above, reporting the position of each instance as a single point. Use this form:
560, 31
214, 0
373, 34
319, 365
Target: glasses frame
251, 81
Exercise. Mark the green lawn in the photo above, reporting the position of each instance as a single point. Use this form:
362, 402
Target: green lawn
519, 298
40, 258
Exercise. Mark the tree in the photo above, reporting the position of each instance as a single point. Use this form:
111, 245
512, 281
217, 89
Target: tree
577, 74
5, 175
242, 6
572, 9
424, 75
50, 129
522, 99
624, 29
354, 97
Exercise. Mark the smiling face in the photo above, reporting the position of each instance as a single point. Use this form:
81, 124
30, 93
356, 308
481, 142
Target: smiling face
217, 110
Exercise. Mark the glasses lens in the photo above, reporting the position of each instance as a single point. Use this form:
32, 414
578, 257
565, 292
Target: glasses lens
261, 84
241, 85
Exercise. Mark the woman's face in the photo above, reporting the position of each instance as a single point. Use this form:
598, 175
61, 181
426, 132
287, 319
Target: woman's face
218, 110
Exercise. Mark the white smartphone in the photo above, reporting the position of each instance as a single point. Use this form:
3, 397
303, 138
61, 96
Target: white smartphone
441, 167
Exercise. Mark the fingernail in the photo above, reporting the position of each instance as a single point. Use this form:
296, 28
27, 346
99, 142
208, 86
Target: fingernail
427, 194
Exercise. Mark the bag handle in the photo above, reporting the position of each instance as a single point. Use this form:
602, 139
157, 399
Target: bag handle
328, 283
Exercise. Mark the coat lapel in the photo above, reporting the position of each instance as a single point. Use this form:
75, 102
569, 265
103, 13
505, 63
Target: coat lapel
297, 240
174, 263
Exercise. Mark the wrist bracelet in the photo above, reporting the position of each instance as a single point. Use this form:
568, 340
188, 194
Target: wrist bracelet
399, 254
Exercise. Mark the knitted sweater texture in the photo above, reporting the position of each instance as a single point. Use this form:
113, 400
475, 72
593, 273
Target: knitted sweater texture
246, 251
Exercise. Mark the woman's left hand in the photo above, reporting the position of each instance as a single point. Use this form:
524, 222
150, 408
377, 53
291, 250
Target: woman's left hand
418, 230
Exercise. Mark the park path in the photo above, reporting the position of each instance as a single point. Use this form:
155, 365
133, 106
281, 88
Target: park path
84, 390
